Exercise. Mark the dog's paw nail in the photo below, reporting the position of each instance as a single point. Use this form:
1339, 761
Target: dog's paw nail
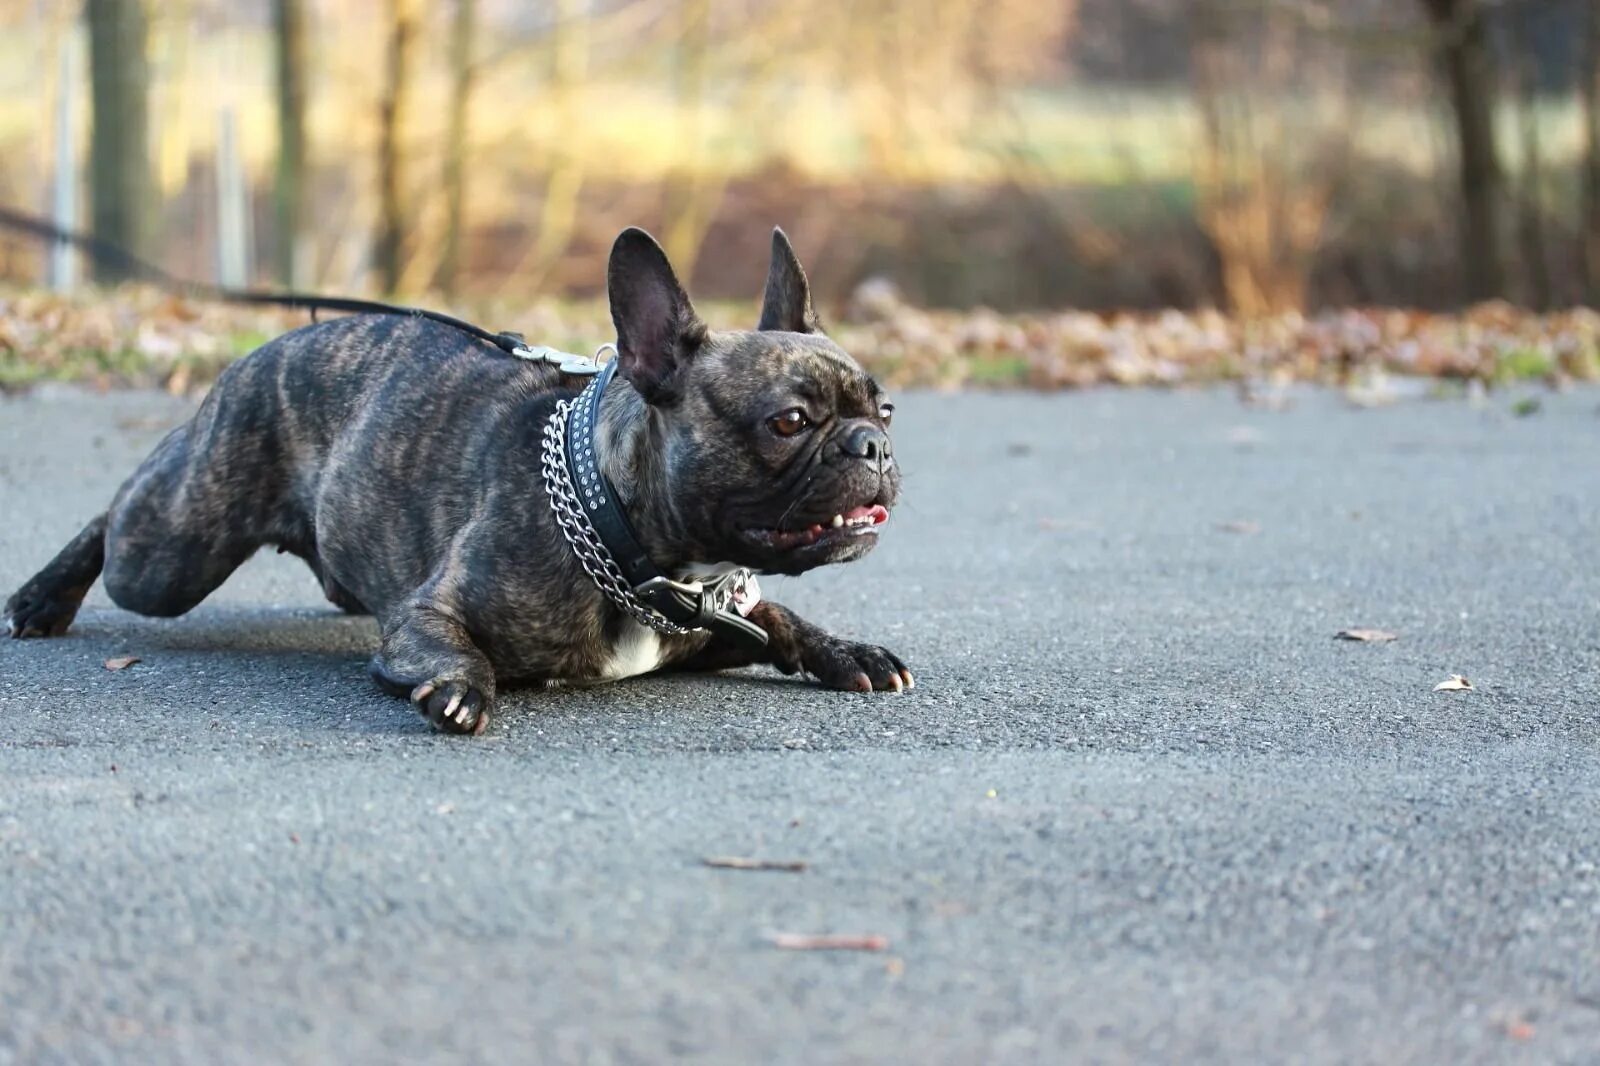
910, 681
861, 683
451, 706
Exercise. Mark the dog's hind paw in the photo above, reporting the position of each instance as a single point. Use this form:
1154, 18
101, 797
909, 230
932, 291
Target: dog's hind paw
37, 610
452, 706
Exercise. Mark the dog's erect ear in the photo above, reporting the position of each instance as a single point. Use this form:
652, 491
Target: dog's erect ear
657, 329
787, 304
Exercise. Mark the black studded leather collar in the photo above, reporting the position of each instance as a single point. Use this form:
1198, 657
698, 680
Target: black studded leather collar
691, 605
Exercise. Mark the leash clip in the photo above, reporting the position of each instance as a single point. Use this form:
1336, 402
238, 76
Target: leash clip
718, 608
566, 362
586, 366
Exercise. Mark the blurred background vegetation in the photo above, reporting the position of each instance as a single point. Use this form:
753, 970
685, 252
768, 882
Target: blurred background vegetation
1259, 156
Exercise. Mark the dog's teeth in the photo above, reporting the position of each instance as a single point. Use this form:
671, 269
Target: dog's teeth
838, 520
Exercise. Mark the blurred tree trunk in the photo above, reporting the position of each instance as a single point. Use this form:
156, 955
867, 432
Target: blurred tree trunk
1265, 173
462, 30
389, 253
1461, 38
289, 25
692, 193
569, 66
119, 152
171, 104
1530, 178
1589, 87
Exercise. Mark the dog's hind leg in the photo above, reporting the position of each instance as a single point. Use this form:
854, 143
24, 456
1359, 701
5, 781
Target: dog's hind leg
165, 567
47, 604
429, 658
200, 505
168, 540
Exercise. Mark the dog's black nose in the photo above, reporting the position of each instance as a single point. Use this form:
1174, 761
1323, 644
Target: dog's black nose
868, 442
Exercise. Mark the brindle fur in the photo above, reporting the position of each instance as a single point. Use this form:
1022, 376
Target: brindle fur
401, 460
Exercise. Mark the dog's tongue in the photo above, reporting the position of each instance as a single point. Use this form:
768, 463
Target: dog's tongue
877, 512
860, 518
863, 517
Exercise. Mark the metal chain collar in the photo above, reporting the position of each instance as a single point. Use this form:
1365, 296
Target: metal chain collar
580, 533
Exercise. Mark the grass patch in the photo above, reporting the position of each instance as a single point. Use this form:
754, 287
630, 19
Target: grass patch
1523, 364
242, 344
1006, 371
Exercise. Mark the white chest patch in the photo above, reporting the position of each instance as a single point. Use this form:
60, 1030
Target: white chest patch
638, 652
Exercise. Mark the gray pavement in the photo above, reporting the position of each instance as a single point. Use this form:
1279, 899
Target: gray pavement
1140, 806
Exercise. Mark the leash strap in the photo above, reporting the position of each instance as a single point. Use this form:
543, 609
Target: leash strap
106, 252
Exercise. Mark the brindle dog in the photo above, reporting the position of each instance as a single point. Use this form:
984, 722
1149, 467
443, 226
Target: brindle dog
400, 459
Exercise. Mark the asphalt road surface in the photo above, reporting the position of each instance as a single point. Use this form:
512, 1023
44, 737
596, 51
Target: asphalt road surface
1140, 806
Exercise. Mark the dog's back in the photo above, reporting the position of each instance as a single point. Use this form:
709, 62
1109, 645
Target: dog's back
358, 412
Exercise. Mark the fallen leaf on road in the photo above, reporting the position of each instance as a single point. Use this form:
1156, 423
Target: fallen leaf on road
122, 662
1369, 636
1453, 683
1240, 527
829, 942
727, 862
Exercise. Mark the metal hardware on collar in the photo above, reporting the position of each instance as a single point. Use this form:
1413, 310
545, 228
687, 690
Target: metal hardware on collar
591, 519
693, 596
566, 362
535, 354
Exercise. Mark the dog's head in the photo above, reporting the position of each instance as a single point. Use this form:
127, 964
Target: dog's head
770, 447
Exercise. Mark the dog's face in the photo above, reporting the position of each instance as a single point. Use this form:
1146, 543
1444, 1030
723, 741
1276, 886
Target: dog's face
773, 444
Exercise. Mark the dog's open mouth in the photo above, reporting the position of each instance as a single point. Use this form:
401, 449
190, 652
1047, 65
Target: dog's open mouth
857, 522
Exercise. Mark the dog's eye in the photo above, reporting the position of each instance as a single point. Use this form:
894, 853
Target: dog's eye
886, 412
789, 422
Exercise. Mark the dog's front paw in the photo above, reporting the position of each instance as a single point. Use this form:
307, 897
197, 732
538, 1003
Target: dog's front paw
452, 706
844, 664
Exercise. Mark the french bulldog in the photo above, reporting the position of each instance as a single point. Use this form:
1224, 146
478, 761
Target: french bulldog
401, 459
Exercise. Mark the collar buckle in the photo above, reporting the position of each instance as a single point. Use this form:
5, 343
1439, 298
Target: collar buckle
693, 604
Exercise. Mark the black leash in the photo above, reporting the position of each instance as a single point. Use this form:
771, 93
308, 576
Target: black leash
104, 251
